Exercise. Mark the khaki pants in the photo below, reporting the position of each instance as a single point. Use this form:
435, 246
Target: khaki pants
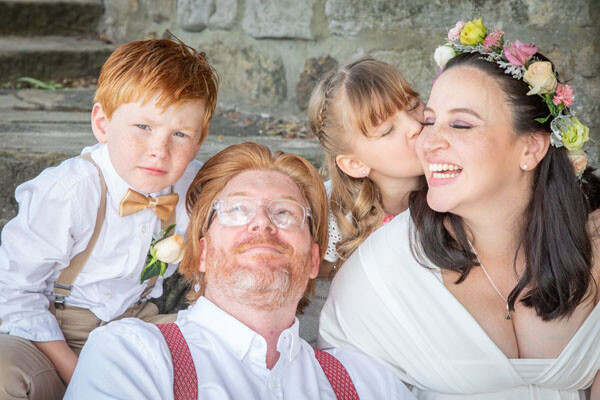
26, 373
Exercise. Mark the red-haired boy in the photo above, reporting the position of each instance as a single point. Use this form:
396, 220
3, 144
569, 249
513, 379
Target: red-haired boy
75, 257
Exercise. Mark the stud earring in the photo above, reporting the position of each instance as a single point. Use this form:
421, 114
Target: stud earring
364, 172
524, 167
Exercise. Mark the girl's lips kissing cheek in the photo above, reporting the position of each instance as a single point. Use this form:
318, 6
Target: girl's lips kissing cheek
443, 173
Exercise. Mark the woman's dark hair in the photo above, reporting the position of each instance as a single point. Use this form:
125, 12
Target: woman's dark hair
555, 237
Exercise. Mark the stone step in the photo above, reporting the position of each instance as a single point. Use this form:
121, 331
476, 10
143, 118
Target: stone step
49, 17
51, 57
38, 132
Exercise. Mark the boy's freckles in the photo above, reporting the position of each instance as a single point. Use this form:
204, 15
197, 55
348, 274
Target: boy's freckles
149, 146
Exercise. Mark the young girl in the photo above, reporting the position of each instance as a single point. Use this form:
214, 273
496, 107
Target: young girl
367, 118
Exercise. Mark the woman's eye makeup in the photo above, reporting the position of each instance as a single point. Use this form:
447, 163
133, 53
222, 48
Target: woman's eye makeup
460, 125
428, 121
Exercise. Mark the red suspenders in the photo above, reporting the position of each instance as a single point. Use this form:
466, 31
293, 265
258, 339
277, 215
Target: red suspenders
185, 381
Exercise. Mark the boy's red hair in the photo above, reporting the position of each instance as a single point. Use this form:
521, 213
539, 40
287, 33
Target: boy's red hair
169, 68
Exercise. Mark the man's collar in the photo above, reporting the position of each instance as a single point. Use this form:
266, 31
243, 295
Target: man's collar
240, 339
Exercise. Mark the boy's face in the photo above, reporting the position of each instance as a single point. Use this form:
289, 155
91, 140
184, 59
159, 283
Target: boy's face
150, 147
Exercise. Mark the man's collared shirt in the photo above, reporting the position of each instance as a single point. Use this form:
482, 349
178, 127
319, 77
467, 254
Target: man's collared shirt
129, 359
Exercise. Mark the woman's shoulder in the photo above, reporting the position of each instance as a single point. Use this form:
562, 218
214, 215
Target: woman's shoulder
393, 236
382, 251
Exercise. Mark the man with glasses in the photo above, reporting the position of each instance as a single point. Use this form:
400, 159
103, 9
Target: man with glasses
257, 234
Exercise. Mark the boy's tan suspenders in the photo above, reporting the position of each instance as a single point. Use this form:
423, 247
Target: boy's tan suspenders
64, 283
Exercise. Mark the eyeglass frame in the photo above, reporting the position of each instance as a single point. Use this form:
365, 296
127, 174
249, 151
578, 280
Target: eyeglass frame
265, 202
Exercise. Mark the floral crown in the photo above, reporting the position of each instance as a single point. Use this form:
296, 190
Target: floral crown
517, 59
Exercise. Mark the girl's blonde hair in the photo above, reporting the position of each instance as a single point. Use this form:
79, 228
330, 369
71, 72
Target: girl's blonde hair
355, 99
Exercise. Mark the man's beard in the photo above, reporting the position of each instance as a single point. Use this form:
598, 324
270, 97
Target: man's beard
271, 283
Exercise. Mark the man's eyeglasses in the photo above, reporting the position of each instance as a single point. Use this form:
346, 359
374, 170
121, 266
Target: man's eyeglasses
240, 210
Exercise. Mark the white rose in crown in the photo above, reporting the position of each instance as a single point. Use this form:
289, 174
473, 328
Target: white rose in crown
442, 55
170, 250
540, 77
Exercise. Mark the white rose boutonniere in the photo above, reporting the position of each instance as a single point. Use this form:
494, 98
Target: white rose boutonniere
163, 250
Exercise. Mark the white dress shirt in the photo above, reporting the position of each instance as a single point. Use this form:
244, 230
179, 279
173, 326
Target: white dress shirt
57, 215
129, 359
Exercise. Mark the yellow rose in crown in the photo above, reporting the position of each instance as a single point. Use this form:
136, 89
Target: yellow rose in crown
540, 78
574, 134
473, 33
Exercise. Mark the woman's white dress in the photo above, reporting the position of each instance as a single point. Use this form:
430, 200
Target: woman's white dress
385, 304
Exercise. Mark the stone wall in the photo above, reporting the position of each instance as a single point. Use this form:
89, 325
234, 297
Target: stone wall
270, 52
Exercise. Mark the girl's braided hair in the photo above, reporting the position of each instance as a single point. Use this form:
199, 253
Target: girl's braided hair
348, 101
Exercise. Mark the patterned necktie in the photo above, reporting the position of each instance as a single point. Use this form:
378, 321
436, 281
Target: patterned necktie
163, 206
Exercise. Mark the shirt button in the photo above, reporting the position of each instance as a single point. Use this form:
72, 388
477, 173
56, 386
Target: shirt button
108, 295
144, 228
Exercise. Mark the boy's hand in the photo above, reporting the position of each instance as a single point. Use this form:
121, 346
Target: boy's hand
61, 355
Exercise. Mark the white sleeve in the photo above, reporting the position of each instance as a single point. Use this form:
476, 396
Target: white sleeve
126, 359
371, 379
53, 224
355, 314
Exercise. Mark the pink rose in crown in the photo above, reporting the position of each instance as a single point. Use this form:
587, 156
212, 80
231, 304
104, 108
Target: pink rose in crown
518, 53
492, 40
564, 94
454, 33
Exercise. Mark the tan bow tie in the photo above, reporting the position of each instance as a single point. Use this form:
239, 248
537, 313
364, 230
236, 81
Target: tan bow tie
163, 206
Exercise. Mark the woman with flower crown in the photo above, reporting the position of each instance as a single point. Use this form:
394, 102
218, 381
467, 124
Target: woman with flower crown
367, 119
488, 287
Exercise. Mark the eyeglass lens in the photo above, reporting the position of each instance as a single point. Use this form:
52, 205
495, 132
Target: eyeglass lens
236, 211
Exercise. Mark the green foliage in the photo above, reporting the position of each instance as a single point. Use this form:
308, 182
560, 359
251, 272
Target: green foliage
166, 232
38, 84
153, 268
554, 109
153, 265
